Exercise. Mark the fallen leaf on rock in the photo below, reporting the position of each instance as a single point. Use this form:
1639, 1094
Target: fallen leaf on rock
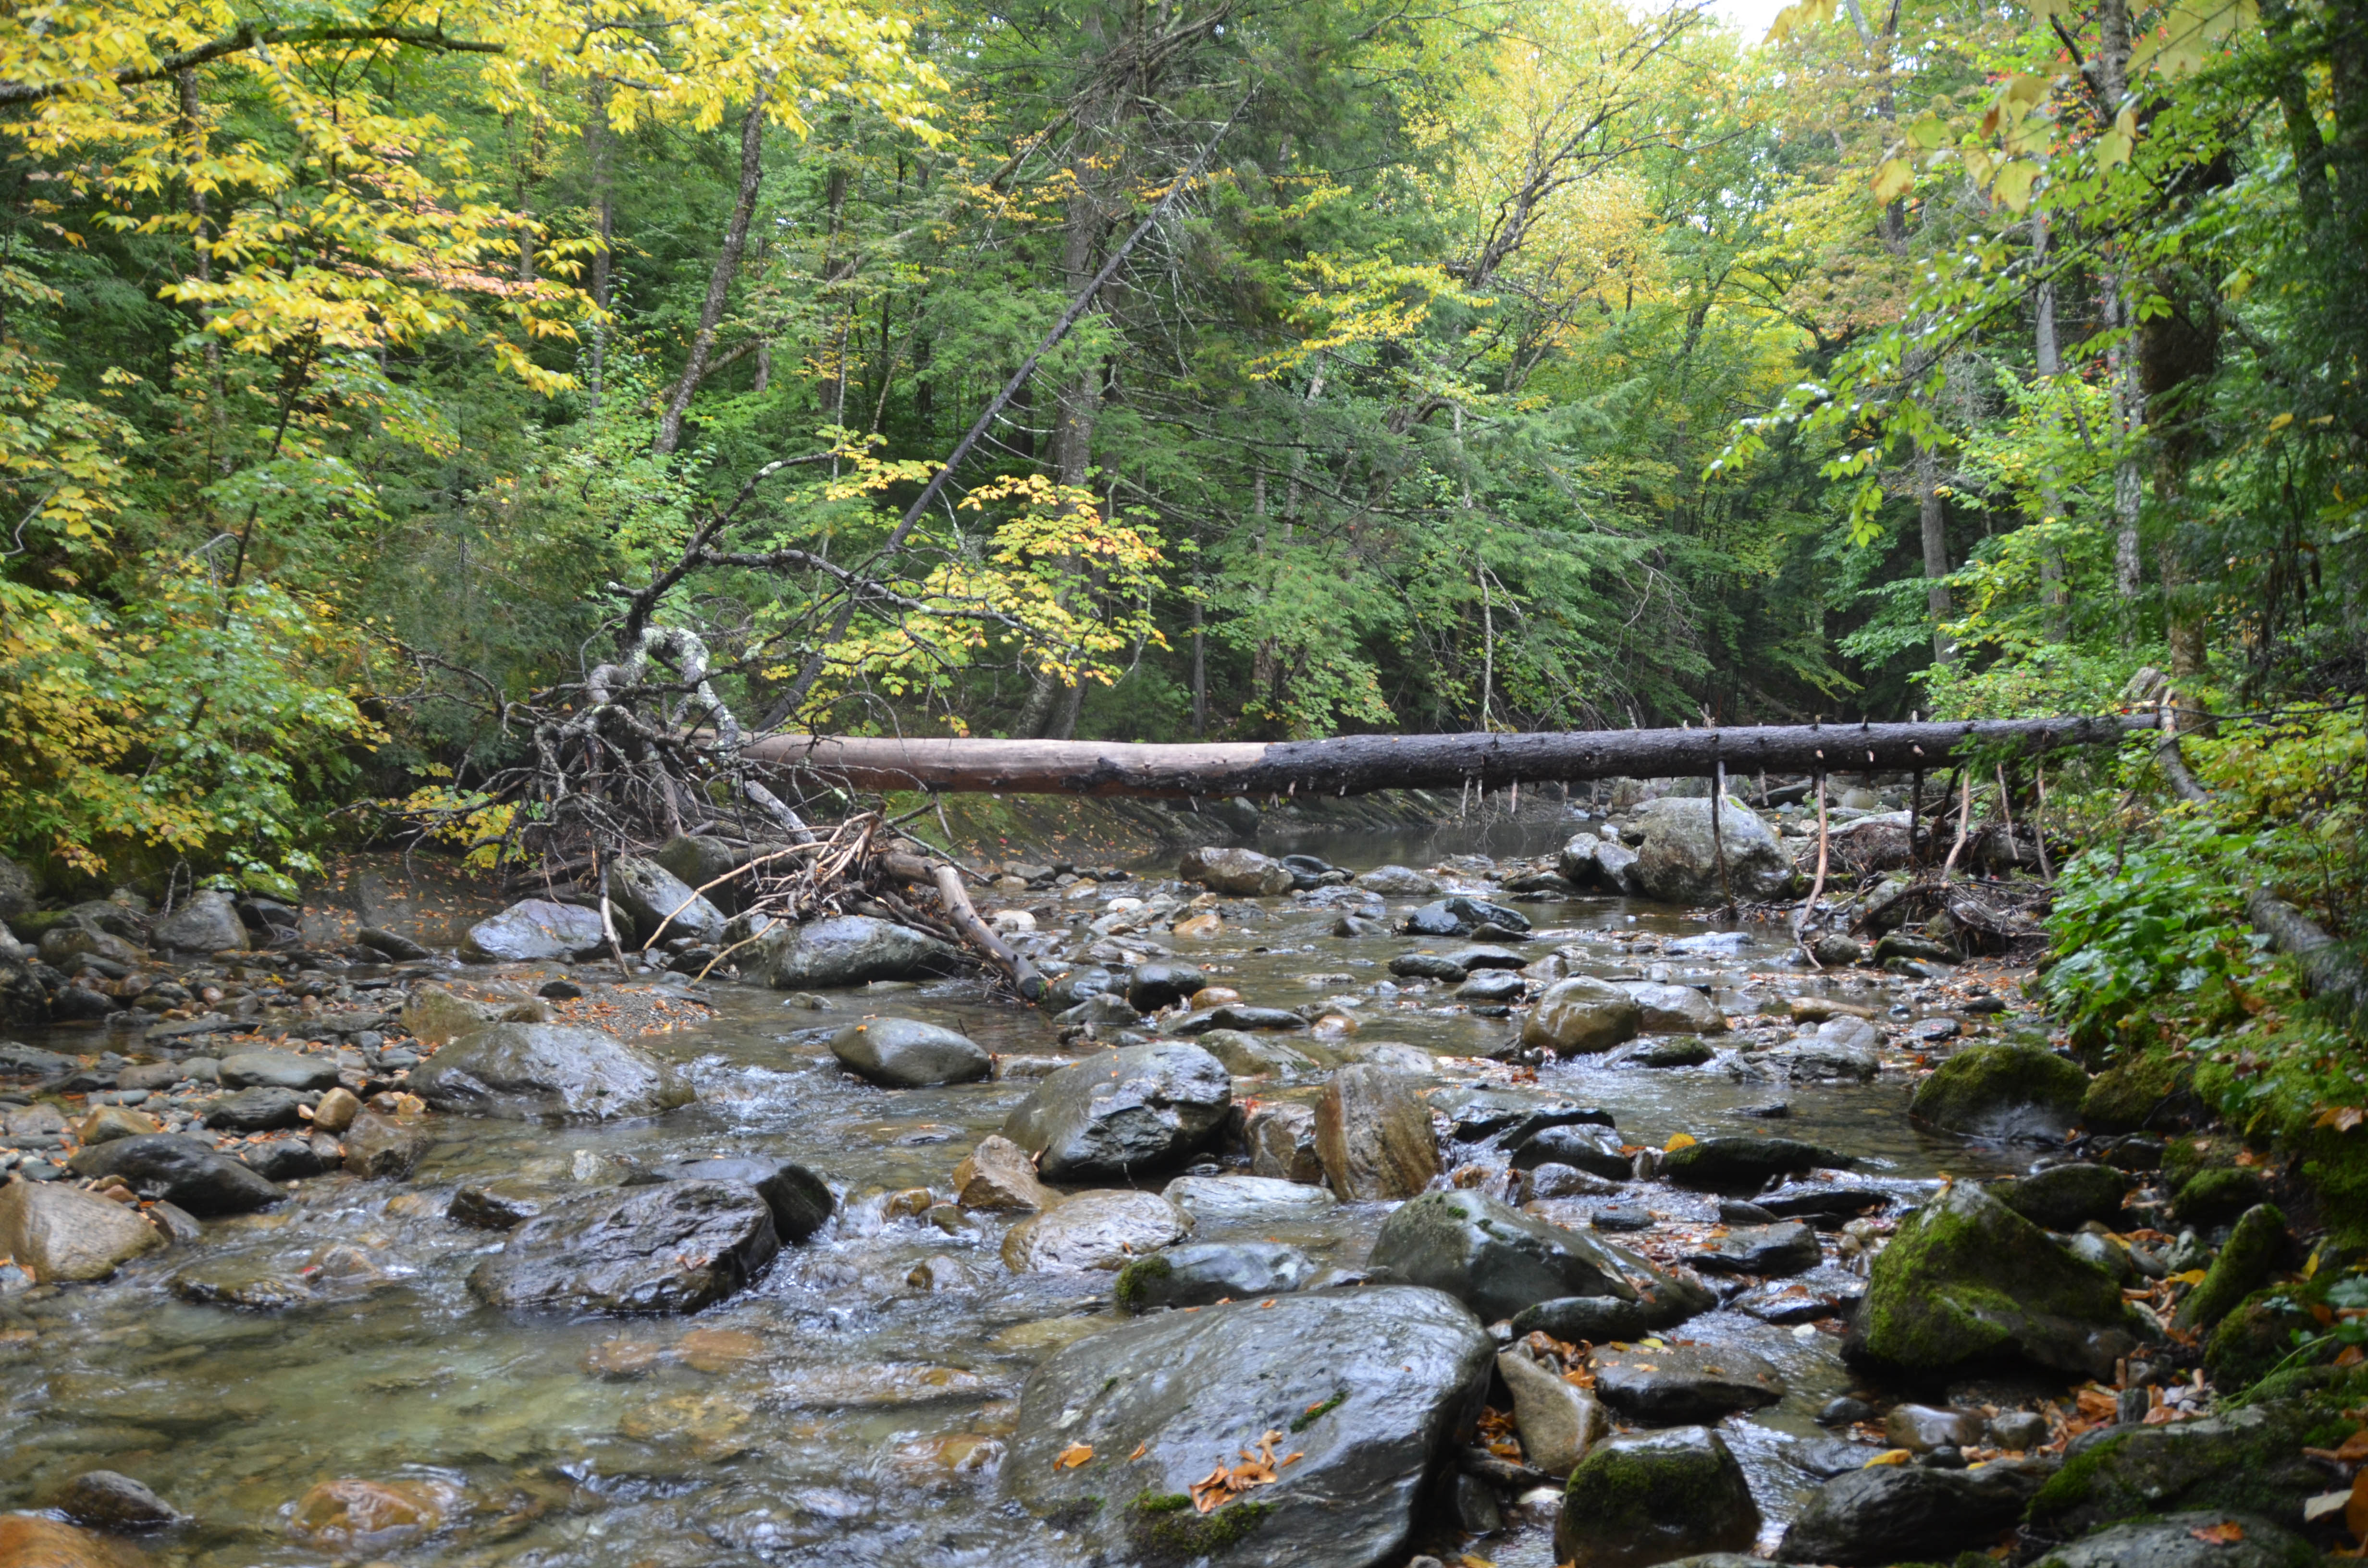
1890, 1456
2228, 1532
1073, 1456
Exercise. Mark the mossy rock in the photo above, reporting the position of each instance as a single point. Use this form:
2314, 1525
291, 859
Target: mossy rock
2065, 1196
1168, 1528
2219, 1194
1968, 1280
2001, 1091
1646, 1497
2127, 1099
2248, 1460
2254, 1339
2254, 1250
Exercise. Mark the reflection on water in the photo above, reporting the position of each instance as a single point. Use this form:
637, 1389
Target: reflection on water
852, 1406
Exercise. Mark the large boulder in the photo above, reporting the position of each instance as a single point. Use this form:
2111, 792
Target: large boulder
207, 923
181, 1171
2250, 1460
1679, 863
1647, 1497
533, 929
662, 905
62, 1232
1091, 1230
1374, 1135
673, 1248
1582, 1016
1967, 1280
1127, 1112
906, 1053
1367, 1388
1243, 873
1497, 1259
1897, 1513
2001, 1091
529, 1072
2209, 1537
851, 950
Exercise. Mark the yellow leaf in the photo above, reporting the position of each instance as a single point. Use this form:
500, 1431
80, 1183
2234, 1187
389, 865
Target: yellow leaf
1893, 180
1890, 1456
2279, 422
1683, 1141
1805, 14
2192, 1276
2013, 186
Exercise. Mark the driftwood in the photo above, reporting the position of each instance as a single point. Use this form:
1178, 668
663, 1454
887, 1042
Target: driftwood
946, 881
1357, 764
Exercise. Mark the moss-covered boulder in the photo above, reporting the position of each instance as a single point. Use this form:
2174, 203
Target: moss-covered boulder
1968, 1280
2129, 1097
1646, 1497
2001, 1091
2217, 1194
2252, 1340
2255, 1249
2248, 1460
2067, 1197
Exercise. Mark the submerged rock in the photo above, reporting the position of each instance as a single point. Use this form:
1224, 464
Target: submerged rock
1367, 1386
1648, 1497
673, 1247
851, 950
524, 1072
2003, 1092
1126, 1112
906, 1053
104, 1500
1374, 1135
1966, 1280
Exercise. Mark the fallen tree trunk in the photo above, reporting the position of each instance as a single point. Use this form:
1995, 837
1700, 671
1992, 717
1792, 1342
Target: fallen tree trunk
1350, 765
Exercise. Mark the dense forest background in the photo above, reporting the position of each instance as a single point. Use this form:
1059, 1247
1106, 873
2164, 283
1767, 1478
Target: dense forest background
1517, 365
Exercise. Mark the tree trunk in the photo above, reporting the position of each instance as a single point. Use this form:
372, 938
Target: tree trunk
1934, 518
719, 280
2049, 353
1357, 764
604, 219
2111, 76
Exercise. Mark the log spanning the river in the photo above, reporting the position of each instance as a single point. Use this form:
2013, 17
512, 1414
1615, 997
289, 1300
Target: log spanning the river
1351, 765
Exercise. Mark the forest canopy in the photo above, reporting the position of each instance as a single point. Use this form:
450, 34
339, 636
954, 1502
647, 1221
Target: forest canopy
376, 376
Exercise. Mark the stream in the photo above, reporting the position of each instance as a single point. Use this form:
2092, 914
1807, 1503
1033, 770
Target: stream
853, 1405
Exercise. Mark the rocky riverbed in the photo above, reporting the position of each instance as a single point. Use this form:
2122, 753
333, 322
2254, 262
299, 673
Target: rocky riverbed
1463, 1207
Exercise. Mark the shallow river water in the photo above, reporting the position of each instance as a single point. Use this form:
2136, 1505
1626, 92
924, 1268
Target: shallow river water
851, 1407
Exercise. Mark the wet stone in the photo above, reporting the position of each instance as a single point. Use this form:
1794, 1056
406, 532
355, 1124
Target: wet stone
182, 1171
673, 1247
1680, 1383
1225, 1199
1205, 1273
104, 1500
1094, 1231
904, 1053
1789, 1247
800, 1202
1127, 1112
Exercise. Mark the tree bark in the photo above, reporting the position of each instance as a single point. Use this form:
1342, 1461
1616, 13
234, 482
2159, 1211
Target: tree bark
1934, 518
1358, 764
719, 280
2047, 350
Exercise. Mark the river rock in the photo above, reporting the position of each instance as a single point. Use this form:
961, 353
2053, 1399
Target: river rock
104, 1500
496, 1204
277, 1070
1496, 1259
1254, 1056
530, 1072
800, 1200
1374, 1135
392, 946
31, 1540
851, 950
1967, 1280
1462, 916
1151, 986
1676, 1009
1226, 1200
181, 1171
1426, 965
1647, 1497
1678, 863
259, 1109
656, 898
335, 1111
1596, 866
1923, 1427
533, 929
673, 1248
1581, 1016
2211, 1537
1594, 1320
1093, 1229
2256, 1245
1595, 1150
288, 1159
1790, 1247
360, 1518
1744, 1164
1681, 1383
384, 1148
906, 1053
2003, 1092
1898, 1513
697, 859
1243, 873
2249, 1458
1208, 1272
1368, 1385
29, 1062
1491, 988
110, 1122
1281, 1138
19, 892
2065, 1196
1397, 882
62, 1232
1000, 1176
1126, 1112
207, 923
243, 1280
437, 1015
1558, 1421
